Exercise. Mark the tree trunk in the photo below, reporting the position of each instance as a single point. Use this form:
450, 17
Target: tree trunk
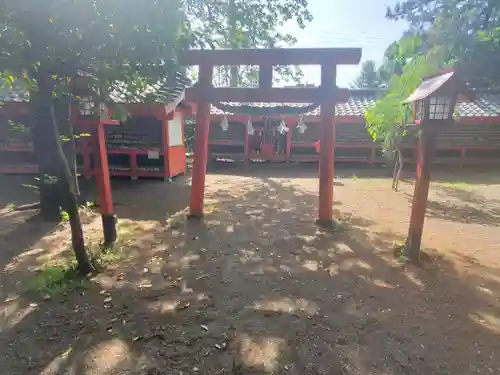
65, 126
398, 167
50, 197
58, 180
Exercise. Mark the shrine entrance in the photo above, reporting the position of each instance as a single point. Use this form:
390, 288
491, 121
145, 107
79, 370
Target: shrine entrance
268, 141
326, 96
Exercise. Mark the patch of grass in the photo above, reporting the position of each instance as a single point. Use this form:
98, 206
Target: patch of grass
176, 222
109, 256
64, 216
57, 279
11, 206
210, 209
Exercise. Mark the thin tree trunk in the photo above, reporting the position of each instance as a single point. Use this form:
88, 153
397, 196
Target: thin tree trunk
65, 126
395, 170
401, 166
62, 181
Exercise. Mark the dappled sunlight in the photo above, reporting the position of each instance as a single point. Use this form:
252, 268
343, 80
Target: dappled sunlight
57, 365
487, 320
287, 305
411, 276
13, 311
165, 306
257, 284
311, 265
354, 264
108, 356
262, 353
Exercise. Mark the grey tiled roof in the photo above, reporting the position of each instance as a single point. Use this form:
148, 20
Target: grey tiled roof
486, 104
14, 95
162, 92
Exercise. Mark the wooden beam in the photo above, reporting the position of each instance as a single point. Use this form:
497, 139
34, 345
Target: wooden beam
273, 56
266, 76
275, 94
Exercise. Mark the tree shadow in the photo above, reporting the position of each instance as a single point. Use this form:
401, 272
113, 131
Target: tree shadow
257, 287
462, 206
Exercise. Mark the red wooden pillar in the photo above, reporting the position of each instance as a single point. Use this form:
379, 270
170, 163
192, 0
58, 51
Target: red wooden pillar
246, 146
289, 143
165, 148
327, 135
104, 187
202, 129
425, 150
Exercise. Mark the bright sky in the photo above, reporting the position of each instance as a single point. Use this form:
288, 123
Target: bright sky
348, 23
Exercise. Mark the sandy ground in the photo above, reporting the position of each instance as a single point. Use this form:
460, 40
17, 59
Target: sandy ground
257, 288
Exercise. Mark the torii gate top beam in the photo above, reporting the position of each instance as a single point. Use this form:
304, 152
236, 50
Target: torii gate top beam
273, 56
327, 58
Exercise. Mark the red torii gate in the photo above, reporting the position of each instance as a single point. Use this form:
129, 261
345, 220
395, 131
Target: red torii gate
327, 95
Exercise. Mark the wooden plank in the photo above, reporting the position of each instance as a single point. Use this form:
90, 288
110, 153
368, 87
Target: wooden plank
258, 95
273, 56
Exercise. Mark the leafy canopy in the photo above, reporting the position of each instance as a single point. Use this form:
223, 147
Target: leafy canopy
387, 121
113, 39
239, 24
465, 30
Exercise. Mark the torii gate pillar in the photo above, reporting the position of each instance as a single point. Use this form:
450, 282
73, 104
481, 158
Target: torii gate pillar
327, 95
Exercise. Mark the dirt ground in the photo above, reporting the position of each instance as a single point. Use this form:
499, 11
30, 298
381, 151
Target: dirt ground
256, 287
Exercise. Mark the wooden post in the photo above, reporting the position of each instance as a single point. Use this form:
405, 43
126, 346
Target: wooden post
327, 134
426, 147
104, 188
246, 146
201, 143
165, 149
289, 144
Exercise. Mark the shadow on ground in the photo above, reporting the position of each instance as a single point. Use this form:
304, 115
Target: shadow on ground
257, 288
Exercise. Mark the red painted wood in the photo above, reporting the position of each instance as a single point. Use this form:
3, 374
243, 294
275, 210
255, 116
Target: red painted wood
272, 56
327, 114
266, 76
202, 130
288, 145
246, 147
176, 161
165, 147
276, 94
102, 173
426, 148
133, 162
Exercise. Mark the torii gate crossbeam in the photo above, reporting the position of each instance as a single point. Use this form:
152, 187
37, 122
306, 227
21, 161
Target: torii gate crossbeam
327, 95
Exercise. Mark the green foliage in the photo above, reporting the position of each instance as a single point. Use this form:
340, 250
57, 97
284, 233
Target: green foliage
57, 279
241, 24
465, 30
387, 121
369, 77
189, 127
115, 40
